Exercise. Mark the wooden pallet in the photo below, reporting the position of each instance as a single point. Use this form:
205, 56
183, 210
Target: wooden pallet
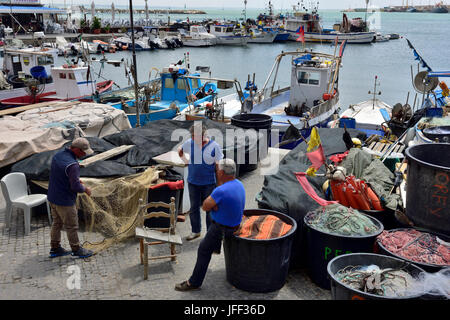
383, 147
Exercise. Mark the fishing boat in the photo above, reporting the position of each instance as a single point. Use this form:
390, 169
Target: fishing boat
197, 37
70, 83
229, 35
311, 99
354, 30
368, 116
439, 7
162, 98
258, 35
18, 64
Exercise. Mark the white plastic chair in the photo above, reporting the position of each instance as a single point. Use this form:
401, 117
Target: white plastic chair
15, 192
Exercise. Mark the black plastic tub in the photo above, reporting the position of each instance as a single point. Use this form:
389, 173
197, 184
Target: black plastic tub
340, 291
427, 190
262, 124
425, 266
259, 265
442, 133
386, 217
322, 247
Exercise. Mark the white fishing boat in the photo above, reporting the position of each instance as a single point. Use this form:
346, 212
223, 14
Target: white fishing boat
197, 37
17, 69
353, 31
368, 116
260, 36
311, 99
229, 35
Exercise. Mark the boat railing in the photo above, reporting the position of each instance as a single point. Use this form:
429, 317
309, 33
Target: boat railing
324, 106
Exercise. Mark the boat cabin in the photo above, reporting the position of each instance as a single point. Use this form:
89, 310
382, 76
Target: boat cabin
310, 78
222, 30
16, 61
71, 82
309, 21
175, 87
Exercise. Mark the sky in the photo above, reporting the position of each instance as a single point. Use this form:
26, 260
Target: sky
278, 4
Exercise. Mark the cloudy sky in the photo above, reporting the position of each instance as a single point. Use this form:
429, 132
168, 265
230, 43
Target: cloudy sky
278, 4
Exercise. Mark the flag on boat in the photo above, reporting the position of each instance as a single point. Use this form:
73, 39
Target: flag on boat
301, 33
341, 50
314, 152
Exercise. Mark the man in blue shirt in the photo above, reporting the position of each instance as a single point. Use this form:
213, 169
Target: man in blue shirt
203, 155
64, 185
227, 203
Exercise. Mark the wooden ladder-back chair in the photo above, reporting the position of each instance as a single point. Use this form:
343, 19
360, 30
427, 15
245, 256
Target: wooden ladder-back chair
155, 236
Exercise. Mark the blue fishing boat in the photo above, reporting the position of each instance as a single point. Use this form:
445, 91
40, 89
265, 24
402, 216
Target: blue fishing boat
163, 97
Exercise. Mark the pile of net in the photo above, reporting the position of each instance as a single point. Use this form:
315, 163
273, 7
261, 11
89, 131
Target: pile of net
340, 220
371, 279
111, 212
262, 227
416, 246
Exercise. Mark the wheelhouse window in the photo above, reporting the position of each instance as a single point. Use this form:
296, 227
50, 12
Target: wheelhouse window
45, 60
62, 75
218, 29
168, 83
181, 84
306, 77
230, 29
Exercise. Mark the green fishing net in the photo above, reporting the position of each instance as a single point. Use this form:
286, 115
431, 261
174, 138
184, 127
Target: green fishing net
340, 220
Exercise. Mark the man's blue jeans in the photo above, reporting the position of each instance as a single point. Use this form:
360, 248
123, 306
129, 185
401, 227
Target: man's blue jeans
198, 194
211, 242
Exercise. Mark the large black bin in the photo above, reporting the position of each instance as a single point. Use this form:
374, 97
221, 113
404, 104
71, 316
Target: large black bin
323, 246
262, 124
428, 185
341, 291
259, 265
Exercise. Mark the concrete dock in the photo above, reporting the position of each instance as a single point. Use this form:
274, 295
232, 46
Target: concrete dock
26, 272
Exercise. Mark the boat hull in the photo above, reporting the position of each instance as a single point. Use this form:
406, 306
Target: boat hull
49, 96
232, 40
351, 37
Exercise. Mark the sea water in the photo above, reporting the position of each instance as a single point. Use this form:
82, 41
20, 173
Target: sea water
390, 61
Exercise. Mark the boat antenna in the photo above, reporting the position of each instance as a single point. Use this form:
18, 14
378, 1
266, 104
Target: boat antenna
374, 92
134, 69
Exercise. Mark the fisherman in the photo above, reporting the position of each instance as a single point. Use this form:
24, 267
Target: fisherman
204, 153
227, 203
64, 185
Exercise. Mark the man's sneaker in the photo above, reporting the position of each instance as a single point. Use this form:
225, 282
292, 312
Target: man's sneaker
58, 252
82, 253
185, 286
192, 236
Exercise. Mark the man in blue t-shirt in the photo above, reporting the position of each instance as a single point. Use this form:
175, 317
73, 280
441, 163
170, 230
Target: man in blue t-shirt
227, 203
203, 156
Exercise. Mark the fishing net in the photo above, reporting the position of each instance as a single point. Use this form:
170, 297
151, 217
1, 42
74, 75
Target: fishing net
373, 280
340, 220
111, 211
416, 246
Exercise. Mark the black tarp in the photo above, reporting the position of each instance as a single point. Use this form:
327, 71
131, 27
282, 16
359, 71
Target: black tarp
282, 192
153, 139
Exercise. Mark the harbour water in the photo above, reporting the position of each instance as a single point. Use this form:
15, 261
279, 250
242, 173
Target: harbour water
391, 61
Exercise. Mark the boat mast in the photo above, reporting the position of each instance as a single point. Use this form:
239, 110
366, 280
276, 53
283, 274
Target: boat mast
134, 69
365, 18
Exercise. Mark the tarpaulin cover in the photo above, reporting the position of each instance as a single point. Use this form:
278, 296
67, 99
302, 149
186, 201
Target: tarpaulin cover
49, 128
153, 139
